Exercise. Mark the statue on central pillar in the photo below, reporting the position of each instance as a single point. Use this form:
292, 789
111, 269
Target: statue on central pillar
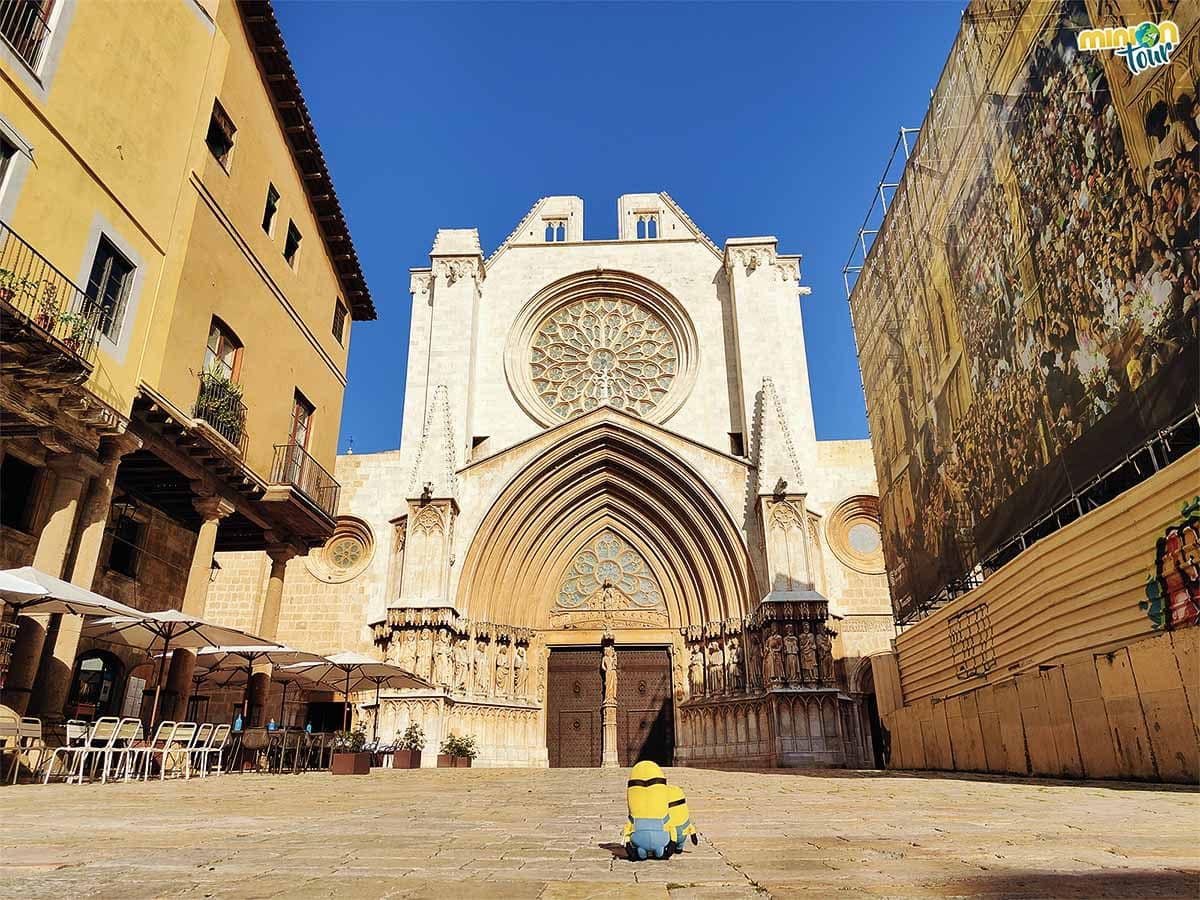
608, 709
808, 654
791, 654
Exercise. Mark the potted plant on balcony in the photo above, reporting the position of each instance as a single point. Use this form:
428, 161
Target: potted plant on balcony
220, 403
13, 288
457, 752
408, 750
349, 758
75, 328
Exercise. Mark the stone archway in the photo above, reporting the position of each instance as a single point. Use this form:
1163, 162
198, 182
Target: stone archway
608, 535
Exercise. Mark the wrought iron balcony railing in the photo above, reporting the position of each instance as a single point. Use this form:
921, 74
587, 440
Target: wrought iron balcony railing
24, 26
42, 295
219, 403
293, 465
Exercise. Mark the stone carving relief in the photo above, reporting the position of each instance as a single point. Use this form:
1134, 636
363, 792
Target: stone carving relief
602, 351
470, 659
783, 645
609, 582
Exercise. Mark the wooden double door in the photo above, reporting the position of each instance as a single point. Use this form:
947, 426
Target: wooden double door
575, 692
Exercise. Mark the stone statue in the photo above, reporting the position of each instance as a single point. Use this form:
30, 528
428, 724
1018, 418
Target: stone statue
696, 672
541, 694
424, 653
716, 668
825, 644
773, 661
791, 654
393, 649
503, 672
808, 654
753, 663
521, 669
608, 665
481, 671
408, 651
733, 666
442, 664
462, 664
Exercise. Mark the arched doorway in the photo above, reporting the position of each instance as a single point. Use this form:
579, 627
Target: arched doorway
608, 536
94, 690
880, 742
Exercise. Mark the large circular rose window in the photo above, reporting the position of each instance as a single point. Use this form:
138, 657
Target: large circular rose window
599, 351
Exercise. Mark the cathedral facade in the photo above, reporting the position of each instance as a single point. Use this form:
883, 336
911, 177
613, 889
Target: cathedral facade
610, 531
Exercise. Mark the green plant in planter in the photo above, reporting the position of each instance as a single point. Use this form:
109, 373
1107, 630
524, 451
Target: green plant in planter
76, 326
221, 401
349, 741
461, 747
14, 287
413, 738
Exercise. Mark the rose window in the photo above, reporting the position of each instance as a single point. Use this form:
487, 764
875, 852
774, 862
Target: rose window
597, 351
346, 552
608, 564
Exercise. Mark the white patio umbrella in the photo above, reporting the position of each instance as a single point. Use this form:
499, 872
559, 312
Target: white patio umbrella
168, 628
349, 672
31, 590
238, 677
244, 658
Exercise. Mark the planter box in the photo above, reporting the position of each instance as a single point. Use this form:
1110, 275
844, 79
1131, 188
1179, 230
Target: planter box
446, 761
406, 759
351, 764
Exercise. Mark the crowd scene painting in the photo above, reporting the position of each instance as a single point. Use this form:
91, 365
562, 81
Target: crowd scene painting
1076, 283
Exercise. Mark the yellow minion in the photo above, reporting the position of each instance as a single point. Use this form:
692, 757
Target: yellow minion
646, 833
680, 824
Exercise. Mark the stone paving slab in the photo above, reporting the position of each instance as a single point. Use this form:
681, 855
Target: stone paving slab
554, 835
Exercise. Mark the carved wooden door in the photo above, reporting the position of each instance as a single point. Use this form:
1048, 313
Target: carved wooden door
645, 715
574, 692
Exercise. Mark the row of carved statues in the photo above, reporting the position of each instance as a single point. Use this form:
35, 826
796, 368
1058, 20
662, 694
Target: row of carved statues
484, 667
780, 655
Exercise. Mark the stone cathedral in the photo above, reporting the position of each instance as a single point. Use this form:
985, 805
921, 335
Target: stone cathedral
610, 532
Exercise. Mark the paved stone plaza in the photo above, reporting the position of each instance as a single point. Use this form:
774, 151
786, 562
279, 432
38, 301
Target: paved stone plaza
553, 833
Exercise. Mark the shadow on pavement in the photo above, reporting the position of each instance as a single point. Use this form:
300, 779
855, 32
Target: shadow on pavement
1105, 883
981, 777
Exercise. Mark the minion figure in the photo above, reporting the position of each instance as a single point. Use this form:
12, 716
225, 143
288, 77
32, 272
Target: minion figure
647, 832
680, 824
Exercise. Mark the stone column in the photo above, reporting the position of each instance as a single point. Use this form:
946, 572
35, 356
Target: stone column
259, 689
268, 625
212, 509
50, 557
609, 758
58, 666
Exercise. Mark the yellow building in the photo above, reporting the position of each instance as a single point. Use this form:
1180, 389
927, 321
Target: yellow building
177, 285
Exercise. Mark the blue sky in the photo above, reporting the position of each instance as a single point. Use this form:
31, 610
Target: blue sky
758, 119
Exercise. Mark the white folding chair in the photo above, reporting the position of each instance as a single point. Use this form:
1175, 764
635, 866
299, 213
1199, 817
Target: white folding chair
160, 739
30, 742
99, 738
200, 745
118, 755
216, 747
177, 749
10, 737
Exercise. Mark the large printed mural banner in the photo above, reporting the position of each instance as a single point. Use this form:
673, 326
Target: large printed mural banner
1028, 314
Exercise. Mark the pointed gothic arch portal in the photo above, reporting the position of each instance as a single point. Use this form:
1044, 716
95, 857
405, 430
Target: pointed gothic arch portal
607, 504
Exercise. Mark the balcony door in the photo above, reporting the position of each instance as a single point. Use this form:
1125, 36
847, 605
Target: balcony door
302, 415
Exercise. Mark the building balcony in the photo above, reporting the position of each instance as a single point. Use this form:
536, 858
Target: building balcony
219, 407
49, 332
306, 494
47, 318
25, 28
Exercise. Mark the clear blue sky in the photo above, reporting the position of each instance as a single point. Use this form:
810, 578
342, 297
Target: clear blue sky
758, 119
